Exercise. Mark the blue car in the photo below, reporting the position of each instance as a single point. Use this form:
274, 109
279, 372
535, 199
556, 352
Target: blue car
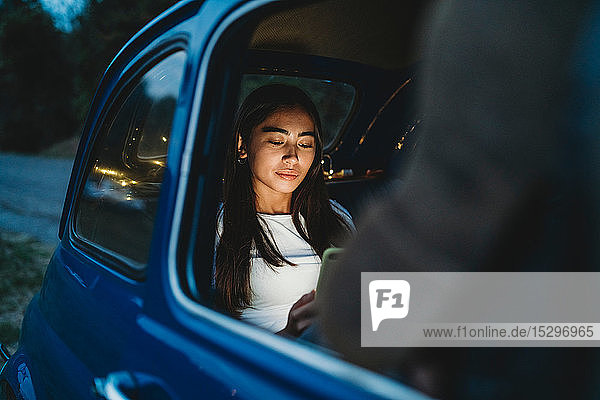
125, 310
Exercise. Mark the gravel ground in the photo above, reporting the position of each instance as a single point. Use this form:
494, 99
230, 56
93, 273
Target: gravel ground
32, 193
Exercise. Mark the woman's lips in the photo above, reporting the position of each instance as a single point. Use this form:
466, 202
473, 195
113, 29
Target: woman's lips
288, 175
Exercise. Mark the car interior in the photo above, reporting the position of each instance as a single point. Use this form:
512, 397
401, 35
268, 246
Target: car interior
374, 49
358, 64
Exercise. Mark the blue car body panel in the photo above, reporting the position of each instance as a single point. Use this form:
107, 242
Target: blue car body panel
90, 320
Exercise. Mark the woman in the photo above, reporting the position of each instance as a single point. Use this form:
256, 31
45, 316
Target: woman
276, 218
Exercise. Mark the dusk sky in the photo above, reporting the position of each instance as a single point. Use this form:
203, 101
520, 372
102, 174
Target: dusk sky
63, 11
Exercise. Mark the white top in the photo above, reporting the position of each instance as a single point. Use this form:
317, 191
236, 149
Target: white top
276, 289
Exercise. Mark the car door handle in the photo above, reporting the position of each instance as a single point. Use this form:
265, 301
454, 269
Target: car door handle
125, 385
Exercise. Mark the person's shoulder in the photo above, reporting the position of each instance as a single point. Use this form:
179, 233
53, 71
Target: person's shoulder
342, 212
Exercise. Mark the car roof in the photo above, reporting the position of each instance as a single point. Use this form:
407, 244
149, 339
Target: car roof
343, 29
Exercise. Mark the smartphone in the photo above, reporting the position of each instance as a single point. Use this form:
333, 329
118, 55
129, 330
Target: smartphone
330, 256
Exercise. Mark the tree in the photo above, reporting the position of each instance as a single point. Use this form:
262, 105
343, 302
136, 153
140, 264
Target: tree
99, 33
48, 77
36, 79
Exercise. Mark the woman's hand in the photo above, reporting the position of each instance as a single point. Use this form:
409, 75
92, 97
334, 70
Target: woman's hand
301, 315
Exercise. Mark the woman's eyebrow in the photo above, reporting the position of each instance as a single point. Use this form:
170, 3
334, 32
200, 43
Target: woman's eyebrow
279, 130
274, 129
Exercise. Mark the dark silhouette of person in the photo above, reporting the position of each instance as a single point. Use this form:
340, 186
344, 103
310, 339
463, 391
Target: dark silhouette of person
506, 178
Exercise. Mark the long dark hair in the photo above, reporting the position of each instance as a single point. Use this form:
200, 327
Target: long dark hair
241, 228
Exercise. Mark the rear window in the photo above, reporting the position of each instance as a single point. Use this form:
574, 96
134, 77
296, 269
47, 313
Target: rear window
334, 100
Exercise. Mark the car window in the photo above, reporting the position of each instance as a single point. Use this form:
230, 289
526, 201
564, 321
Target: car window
334, 100
119, 199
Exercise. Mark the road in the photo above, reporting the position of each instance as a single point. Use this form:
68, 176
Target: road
32, 192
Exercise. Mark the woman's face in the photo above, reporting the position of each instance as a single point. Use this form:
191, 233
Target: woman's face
280, 153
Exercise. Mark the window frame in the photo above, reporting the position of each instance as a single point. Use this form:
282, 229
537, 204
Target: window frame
126, 82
